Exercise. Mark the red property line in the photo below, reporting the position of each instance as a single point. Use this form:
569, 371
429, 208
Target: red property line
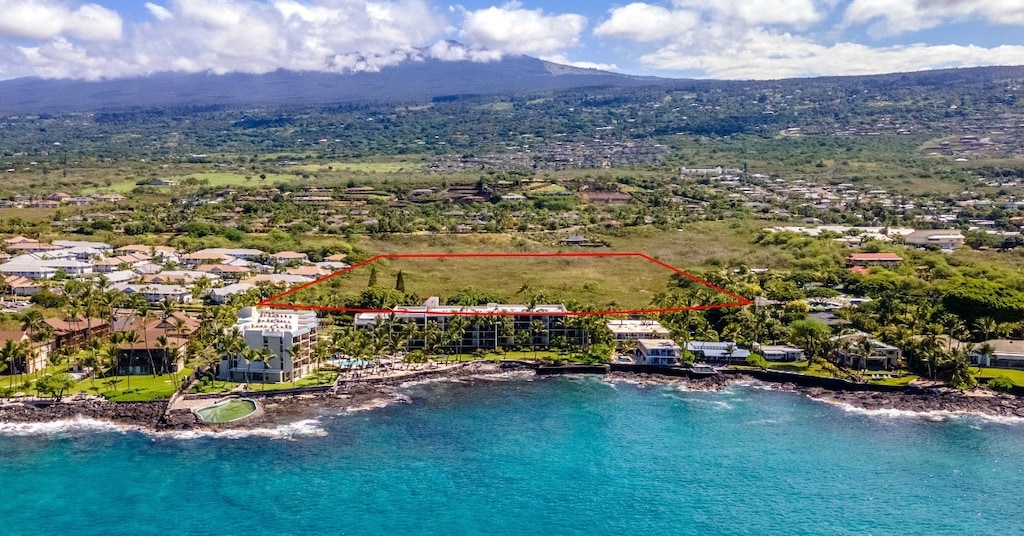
740, 301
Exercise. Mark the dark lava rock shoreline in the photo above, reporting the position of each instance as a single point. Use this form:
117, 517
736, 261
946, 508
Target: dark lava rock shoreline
363, 395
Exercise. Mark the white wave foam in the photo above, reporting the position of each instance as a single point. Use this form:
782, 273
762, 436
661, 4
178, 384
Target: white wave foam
83, 425
427, 381
930, 415
63, 427
614, 381
514, 375
378, 403
720, 404
303, 428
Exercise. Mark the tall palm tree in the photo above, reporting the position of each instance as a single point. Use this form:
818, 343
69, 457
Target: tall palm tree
987, 326
32, 321
434, 337
251, 355
164, 343
957, 366
129, 337
865, 348
456, 332
265, 356
537, 330
11, 354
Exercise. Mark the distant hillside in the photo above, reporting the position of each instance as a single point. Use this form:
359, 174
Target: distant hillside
411, 81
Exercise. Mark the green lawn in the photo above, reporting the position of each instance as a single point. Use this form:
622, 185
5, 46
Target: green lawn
1016, 376
323, 378
800, 367
817, 370
136, 388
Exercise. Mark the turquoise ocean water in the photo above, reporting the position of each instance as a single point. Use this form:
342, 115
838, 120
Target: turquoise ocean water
552, 456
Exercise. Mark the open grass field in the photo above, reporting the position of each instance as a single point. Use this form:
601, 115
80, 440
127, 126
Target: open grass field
137, 388
213, 179
365, 167
614, 283
28, 214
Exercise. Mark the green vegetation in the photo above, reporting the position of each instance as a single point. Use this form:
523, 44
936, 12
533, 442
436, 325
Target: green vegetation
1015, 377
598, 282
143, 387
516, 174
1000, 383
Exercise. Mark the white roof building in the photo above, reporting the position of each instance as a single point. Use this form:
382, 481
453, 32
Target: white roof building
222, 294
156, 293
663, 352
635, 329
288, 335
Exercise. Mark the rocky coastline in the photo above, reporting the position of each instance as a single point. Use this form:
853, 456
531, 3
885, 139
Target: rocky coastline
282, 408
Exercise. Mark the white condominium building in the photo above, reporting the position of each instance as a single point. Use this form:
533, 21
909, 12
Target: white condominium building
289, 335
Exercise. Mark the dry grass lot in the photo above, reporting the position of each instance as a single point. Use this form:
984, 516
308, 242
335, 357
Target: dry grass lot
603, 282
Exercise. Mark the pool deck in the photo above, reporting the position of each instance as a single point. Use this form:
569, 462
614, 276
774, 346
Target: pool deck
192, 404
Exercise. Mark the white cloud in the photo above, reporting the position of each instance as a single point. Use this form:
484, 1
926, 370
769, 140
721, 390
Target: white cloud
452, 51
158, 11
761, 54
45, 19
52, 60
646, 22
513, 29
893, 18
563, 60
759, 12
240, 35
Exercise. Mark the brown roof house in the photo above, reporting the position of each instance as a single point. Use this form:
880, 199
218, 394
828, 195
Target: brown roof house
160, 345
39, 352
69, 335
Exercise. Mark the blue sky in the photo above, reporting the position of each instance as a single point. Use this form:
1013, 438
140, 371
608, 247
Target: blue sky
735, 39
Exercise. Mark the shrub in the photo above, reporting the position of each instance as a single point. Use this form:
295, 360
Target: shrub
757, 360
1000, 383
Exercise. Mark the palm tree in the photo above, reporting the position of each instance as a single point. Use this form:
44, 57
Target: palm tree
958, 366
32, 320
434, 337
987, 326
252, 355
455, 332
130, 338
865, 348
985, 351
92, 349
265, 356
930, 347
537, 330
12, 353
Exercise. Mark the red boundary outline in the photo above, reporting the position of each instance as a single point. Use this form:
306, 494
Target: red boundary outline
740, 301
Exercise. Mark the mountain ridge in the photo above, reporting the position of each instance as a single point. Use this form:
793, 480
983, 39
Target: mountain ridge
411, 81
420, 80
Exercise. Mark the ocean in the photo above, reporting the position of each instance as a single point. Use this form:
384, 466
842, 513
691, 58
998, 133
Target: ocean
538, 456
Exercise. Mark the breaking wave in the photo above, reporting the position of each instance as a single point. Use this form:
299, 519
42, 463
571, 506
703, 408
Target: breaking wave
929, 415
64, 428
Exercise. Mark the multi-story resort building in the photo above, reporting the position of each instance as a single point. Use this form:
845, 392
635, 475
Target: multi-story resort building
288, 335
486, 326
